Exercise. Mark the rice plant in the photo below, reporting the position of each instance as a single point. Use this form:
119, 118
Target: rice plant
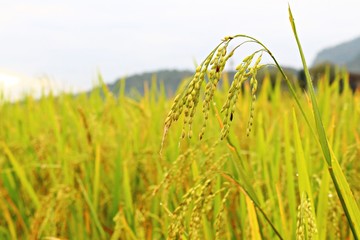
214, 64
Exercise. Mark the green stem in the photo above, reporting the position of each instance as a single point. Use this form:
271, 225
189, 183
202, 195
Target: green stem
319, 125
342, 187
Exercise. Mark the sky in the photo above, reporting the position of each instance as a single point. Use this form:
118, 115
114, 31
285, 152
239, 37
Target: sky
69, 42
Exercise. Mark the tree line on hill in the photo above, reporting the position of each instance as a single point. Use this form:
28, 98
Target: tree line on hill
171, 79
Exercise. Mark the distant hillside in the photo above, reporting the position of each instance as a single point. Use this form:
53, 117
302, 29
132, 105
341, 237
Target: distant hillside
345, 54
134, 85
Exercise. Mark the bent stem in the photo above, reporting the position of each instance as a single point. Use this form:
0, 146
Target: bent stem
292, 90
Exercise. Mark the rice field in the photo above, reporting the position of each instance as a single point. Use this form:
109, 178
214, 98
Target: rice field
88, 167
251, 163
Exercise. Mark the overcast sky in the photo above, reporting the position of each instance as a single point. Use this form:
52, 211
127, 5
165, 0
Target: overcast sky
69, 41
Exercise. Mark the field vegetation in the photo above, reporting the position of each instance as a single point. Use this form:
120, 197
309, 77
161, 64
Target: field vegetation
88, 168
98, 166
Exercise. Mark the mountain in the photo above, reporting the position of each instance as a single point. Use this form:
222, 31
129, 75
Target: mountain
135, 84
171, 79
345, 54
